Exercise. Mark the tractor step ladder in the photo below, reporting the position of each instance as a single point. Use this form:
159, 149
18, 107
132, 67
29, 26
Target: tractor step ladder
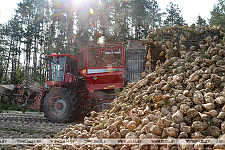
54, 99
55, 88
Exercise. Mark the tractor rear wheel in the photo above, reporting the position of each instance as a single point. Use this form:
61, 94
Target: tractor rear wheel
66, 109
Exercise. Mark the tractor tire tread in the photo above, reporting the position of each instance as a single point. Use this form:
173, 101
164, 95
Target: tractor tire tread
73, 100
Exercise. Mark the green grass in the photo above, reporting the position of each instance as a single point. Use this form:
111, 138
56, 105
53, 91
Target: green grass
14, 107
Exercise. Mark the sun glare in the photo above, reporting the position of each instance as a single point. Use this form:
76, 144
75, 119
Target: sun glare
91, 11
78, 2
101, 40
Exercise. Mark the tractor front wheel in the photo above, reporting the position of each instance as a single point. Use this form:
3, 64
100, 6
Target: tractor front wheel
66, 109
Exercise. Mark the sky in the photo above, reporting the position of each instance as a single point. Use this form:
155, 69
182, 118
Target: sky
190, 9
7, 9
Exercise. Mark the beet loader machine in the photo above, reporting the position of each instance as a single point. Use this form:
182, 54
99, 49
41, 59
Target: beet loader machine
77, 86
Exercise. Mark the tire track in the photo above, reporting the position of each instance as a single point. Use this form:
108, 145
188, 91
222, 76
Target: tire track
29, 125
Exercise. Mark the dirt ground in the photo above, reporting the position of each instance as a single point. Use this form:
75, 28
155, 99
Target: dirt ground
16, 124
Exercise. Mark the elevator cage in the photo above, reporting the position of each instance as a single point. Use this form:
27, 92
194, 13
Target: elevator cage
135, 60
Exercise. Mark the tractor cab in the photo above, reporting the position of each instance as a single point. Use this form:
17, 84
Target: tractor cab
62, 68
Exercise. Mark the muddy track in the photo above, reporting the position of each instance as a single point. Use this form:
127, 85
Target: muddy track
16, 124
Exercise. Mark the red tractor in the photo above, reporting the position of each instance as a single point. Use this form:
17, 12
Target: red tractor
78, 86
82, 85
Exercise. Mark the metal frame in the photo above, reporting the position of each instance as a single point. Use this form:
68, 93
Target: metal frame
135, 62
31, 87
117, 71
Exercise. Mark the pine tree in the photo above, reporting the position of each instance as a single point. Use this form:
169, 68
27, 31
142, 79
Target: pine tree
218, 14
139, 17
49, 26
2, 52
174, 16
83, 24
155, 18
200, 21
105, 21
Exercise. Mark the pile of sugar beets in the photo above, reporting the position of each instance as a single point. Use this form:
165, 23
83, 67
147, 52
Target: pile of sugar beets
184, 98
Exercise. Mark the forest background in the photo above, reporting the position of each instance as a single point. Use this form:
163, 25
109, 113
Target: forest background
61, 26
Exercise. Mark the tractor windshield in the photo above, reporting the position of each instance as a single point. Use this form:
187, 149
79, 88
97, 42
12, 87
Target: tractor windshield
57, 69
